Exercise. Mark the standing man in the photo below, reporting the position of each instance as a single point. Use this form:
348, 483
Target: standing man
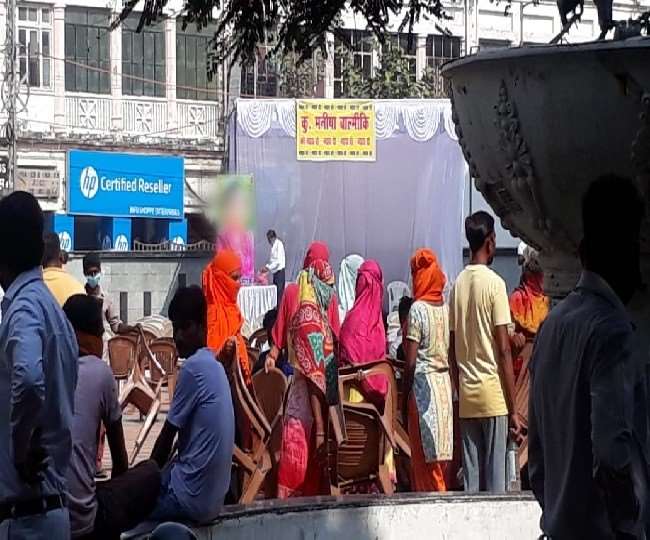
92, 267
588, 411
61, 284
195, 482
38, 375
479, 315
277, 262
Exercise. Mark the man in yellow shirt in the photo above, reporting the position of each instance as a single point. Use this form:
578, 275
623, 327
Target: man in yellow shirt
481, 361
61, 284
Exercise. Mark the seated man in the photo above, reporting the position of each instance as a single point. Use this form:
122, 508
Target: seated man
108, 508
195, 482
266, 360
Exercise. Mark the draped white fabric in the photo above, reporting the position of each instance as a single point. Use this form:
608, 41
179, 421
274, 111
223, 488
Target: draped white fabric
410, 197
421, 117
254, 302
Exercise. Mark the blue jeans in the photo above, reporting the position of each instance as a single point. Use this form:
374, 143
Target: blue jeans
167, 507
55, 525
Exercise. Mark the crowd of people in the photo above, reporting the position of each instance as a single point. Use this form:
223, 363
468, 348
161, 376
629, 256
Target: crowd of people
469, 364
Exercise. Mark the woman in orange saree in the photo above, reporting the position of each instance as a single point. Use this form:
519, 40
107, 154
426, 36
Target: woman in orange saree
221, 286
303, 467
529, 307
427, 383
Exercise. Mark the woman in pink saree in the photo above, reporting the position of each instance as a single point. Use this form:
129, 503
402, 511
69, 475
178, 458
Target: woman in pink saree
363, 335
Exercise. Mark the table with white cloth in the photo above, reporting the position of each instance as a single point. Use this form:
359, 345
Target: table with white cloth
254, 301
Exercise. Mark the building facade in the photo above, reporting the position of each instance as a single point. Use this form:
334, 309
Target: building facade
133, 98
142, 96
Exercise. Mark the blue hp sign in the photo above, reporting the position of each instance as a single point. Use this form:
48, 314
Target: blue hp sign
125, 185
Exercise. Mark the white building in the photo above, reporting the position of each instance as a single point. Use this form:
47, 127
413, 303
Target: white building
88, 88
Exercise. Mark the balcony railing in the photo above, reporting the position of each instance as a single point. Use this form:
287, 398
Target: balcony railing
143, 116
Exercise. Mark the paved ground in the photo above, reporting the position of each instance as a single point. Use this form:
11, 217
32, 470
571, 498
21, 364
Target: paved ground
132, 424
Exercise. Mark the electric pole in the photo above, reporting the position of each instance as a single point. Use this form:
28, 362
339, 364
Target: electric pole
11, 98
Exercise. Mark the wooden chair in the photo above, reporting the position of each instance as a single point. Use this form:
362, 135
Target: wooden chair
259, 339
122, 352
253, 456
138, 392
167, 356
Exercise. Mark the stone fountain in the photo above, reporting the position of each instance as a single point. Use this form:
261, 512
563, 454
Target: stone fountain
538, 124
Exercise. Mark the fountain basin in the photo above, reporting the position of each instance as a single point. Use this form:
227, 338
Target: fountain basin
538, 124
400, 517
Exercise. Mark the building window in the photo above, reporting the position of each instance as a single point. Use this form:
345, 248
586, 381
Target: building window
143, 59
35, 45
409, 51
361, 45
440, 49
87, 51
260, 78
193, 64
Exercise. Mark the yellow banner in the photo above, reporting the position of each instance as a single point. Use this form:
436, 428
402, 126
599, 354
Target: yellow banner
335, 130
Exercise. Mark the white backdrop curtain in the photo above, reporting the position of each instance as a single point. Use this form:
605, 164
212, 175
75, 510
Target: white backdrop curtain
410, 197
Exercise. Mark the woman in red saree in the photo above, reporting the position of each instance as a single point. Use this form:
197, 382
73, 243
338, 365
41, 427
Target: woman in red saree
529, 307
317, 251
221, 285
302, 469
363, 335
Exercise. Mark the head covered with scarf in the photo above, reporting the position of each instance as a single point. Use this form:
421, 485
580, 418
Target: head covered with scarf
348, 281
311, 342
317, 251
528, 303
428, 278
363, 336
224, 317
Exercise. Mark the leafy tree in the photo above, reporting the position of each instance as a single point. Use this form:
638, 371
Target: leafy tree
299, 25
392, 79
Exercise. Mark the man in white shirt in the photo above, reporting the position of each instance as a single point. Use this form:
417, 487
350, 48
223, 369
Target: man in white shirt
277, 262
588, 409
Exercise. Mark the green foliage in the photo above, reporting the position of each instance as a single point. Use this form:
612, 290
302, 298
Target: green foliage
392, 79
300, 26
300, 79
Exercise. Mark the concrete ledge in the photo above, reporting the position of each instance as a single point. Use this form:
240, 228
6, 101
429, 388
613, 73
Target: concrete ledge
400, 517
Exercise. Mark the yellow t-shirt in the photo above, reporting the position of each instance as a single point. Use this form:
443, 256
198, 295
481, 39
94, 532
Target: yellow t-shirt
61, 284
478, 304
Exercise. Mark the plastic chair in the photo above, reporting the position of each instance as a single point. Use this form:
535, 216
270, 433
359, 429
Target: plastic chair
122, 352
254, 458
138, 392
167, 356
258, 339
396, 291
271, 393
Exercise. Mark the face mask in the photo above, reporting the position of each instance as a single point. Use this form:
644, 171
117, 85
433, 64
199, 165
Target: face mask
93, 281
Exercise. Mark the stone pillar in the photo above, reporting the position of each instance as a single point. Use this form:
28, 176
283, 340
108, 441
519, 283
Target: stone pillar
518, 23
58, 52
420, 54
170, 73
329, 67
471, 25
116, 71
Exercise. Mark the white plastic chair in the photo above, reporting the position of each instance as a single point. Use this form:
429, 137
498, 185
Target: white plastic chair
396, 291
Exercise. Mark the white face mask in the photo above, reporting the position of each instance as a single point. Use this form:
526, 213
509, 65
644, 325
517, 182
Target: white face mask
93, 281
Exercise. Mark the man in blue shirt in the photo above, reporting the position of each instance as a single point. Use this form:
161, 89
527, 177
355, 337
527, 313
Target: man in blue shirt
195, 482
38, 375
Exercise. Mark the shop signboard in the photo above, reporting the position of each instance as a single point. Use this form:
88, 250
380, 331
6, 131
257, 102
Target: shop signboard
125, 185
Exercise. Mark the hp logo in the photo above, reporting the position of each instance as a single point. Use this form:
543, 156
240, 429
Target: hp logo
65, 240
89, 182
121, 243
